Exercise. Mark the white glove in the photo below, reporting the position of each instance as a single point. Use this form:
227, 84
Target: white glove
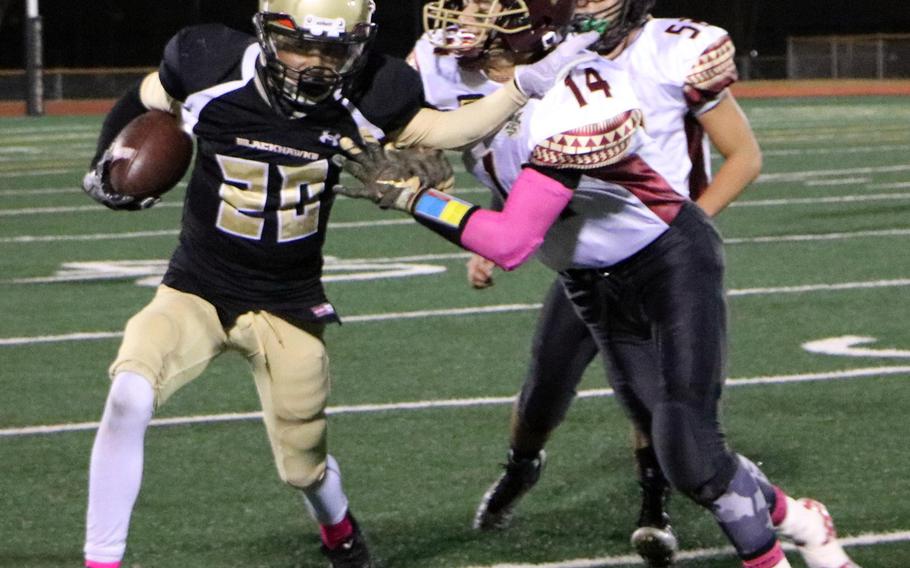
97, 186
536, 79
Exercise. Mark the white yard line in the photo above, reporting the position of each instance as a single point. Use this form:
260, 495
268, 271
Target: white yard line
783, 202
818, 236
479, 310
865, 539
24, 239
858, 198
454, 403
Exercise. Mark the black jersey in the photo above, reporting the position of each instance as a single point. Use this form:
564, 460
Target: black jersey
258, 202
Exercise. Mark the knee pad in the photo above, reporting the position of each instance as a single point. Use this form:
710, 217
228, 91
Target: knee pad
692, 453
131, 396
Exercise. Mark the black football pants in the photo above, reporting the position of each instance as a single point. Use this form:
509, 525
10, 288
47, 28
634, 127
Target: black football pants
561, 350
660, 319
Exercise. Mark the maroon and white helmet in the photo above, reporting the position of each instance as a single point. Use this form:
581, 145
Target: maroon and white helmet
468, 28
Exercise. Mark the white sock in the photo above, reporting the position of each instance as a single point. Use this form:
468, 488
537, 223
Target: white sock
326, 501
115, 473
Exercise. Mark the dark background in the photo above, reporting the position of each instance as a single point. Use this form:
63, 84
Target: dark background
123, 33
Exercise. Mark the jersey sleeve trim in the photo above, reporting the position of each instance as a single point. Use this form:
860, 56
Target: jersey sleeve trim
714, 71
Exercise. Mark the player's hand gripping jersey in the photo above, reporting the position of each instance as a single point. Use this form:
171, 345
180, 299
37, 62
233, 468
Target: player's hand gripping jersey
585, 131
257, 204
679, 69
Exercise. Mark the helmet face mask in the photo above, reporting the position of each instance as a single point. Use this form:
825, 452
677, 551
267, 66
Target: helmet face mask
310, 47
599, 16
612, 19
471, 28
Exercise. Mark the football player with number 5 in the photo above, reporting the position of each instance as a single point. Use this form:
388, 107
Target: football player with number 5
267, 113
587, 189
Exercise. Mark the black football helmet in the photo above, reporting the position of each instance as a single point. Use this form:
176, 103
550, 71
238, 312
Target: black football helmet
310, 47
613, 19
469, 28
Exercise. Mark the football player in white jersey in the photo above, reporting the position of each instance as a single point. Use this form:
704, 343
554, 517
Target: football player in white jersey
681, 78
641, 263
452, 78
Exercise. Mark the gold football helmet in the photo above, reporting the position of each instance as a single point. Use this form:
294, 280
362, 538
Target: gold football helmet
309, 47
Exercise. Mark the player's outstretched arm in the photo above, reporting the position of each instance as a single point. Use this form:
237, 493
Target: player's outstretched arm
508, 237
471, 123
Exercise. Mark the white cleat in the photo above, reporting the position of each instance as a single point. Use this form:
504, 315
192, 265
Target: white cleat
808, 524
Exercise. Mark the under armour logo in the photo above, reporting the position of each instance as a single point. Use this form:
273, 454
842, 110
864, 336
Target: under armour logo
330, 138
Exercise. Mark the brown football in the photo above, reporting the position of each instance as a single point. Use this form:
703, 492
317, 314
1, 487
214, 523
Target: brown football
150, 155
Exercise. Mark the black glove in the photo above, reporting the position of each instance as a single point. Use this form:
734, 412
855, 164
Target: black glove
96, 183
393, 179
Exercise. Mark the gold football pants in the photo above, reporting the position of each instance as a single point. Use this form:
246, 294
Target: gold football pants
171, 341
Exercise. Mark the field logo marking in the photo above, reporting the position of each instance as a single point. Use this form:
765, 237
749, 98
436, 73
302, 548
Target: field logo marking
150, 272
845, 346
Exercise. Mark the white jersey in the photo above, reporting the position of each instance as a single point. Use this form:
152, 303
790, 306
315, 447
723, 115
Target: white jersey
680, 69
589, 122
446, 85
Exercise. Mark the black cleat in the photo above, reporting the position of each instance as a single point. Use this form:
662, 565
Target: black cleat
654, 539
352, 553
498, 503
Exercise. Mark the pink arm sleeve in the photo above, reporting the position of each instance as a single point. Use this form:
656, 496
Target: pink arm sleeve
511, 236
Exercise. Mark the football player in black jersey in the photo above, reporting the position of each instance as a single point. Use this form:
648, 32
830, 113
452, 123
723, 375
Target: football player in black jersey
267, 114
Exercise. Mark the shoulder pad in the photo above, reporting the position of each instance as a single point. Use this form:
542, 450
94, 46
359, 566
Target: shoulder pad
388, 92
714, 71
446, 84
199, 57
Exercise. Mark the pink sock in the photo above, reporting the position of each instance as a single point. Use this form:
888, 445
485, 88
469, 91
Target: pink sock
780, 507
766, 560
96, 564
334, 535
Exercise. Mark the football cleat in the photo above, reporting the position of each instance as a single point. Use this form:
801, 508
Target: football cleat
654, 538
352, 553
498, 504
809, 525
656, 545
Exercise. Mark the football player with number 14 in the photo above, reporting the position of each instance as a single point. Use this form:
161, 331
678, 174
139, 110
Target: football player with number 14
681, 73
267, 114
642, 264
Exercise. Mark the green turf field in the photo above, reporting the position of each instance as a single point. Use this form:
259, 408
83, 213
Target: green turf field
818, 253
